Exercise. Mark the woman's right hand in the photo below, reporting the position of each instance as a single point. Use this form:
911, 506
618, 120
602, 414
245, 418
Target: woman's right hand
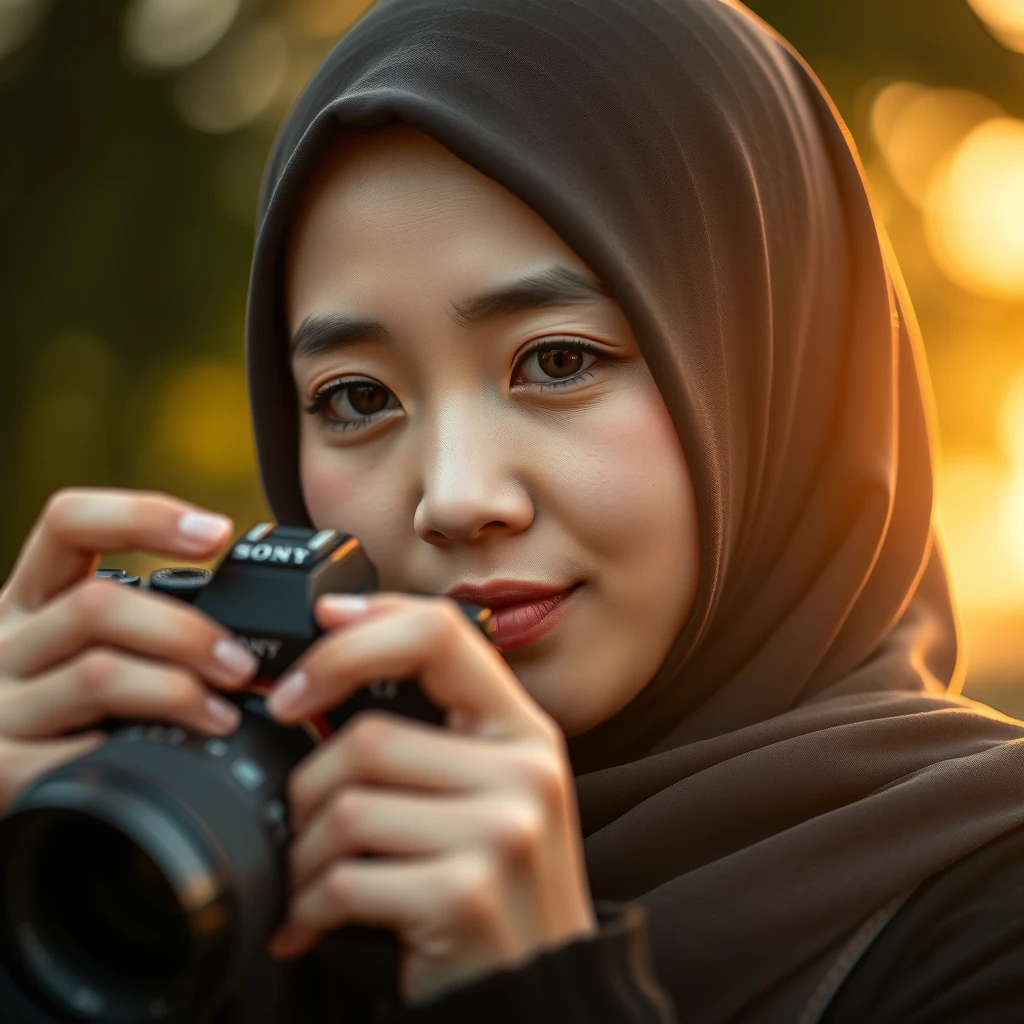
76, 648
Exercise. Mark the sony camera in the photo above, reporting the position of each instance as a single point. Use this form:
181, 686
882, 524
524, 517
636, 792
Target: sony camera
138, 882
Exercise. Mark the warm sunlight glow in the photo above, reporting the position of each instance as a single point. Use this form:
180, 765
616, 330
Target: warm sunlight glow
980, 506
974, 211
1013, 502
1005, 20
324, 18
916, 127
200, 421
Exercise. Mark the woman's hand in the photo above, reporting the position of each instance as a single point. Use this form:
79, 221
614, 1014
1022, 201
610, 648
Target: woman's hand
75, 648
479, 859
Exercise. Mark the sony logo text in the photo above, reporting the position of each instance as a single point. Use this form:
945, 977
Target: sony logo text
280, 553
261, 646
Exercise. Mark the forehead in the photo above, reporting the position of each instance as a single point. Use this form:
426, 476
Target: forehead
397, 193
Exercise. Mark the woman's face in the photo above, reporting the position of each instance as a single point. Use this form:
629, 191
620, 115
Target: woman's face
467, 456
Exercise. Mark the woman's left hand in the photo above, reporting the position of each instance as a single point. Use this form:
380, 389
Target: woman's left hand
479, 860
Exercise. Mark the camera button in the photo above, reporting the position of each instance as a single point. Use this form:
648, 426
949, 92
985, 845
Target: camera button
248, 773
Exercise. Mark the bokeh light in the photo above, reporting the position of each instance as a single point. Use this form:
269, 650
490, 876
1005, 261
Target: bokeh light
1005, 20
200, 421
324, 18
236, 83
1013, 503
916, 127
980, 504
171, 33
974, 211
18, 20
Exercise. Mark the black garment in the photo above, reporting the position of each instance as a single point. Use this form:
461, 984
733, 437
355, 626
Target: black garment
604, 979
952, 954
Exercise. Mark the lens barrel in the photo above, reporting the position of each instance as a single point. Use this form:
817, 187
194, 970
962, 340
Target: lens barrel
139, 883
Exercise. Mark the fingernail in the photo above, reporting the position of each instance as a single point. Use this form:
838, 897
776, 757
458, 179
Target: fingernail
223, 715
288, 693
235, 658
203, 526
350, 603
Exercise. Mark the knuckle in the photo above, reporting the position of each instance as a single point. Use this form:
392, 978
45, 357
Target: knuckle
472, 892
338, 887
94, 673
367, 738
441, 621
92, 600
519, 832
545, 777
59, 507
345, 812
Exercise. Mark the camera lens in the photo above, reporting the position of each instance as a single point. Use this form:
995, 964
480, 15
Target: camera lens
108, 908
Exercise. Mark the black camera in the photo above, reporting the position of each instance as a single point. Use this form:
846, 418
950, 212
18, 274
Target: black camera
139, 881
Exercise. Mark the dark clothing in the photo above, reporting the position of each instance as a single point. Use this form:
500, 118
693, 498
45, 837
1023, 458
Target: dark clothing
952, 954
604, 978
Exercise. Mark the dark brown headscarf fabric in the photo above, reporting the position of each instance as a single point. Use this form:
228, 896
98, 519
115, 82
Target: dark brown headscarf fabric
800, 757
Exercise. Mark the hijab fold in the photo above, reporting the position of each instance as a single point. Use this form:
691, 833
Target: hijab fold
801, 756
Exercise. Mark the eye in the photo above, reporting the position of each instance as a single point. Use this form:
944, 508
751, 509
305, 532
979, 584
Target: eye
351, 403
561, 361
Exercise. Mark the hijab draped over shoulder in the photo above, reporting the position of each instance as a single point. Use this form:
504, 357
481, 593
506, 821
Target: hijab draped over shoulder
801, 757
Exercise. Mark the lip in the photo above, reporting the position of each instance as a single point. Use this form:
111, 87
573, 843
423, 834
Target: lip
498, 593
539, 608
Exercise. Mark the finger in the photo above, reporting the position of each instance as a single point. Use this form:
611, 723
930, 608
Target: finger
363, 820
99, 611
360, 820
22, 763
387, 750
425, 637
390, 894
105, 683
78, 523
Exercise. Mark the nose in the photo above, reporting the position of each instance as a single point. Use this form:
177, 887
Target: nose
472, 481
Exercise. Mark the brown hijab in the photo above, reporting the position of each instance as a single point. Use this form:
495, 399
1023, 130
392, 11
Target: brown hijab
800, 757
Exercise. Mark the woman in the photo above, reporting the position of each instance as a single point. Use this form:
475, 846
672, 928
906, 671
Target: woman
588, 297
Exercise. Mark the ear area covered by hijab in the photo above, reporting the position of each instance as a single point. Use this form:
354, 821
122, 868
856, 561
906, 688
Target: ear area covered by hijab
801, 756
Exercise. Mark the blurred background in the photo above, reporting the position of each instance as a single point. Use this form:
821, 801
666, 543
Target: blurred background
132, 139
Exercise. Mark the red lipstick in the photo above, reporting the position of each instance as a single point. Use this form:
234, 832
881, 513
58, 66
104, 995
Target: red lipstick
523, 610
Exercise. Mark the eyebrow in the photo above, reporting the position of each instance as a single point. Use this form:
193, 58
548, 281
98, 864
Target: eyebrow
557, 285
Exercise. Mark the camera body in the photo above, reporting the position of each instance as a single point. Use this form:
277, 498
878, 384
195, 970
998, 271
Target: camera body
137, 883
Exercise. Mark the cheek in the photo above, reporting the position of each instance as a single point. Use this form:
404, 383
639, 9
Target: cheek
357, 497
631, 488
325, 485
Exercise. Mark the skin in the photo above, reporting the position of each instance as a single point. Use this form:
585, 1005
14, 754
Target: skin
465, 471
475, 473
472, 480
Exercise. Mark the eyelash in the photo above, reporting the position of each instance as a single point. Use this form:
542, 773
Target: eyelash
318, 406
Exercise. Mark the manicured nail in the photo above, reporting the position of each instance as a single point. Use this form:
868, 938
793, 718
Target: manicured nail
203, 526
288, 693
224, 715
235, 658
352, 604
